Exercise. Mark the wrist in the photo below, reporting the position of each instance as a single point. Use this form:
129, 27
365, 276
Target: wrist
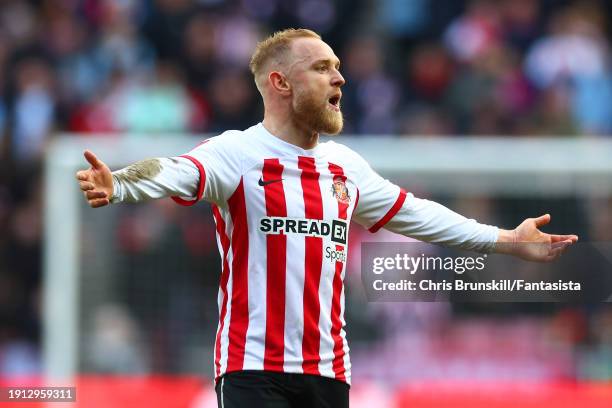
506, 242
115, 195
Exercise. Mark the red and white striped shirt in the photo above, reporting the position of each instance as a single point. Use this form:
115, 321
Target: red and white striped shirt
282, 215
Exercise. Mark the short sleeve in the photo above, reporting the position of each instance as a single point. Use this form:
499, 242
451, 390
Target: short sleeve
379, 199
219, 165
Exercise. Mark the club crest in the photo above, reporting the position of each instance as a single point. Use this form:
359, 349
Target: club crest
340, 191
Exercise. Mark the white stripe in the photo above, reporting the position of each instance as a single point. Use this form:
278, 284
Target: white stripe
219, 302
347, 360
345, 346
220, 296
257, 274
228, 313
326, 287
222, 402
294, 283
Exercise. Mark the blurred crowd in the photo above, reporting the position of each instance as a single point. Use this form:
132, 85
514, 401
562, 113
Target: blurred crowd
428, 67
420, 67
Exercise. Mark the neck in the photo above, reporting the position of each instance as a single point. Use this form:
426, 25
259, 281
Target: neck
283, 127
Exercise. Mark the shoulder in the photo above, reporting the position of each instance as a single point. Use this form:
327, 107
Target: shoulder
342, 155
230, 141
241, 149
230, 138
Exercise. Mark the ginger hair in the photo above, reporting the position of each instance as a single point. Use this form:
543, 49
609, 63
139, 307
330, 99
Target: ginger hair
272, 51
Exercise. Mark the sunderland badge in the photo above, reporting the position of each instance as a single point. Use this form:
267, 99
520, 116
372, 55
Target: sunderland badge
340, 191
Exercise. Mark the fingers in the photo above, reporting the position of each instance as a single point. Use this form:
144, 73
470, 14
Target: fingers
92, 159
92, 195
86, 185
542, 220
100, 202
95, 199
557, 249
553, 254
82, 175
561, 244
557, 238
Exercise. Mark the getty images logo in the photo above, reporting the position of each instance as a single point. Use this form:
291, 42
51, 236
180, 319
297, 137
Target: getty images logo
334, 229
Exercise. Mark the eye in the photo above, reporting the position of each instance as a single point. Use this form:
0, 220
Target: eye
322, 68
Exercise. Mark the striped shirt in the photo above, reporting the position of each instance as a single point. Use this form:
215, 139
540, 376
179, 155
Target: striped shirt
282, 217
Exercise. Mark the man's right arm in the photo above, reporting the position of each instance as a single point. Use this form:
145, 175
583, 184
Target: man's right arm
141, 181
211, 171
155, 178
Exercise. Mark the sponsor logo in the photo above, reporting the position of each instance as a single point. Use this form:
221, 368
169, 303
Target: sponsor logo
335, 254
335, 229
340, 191
265, 183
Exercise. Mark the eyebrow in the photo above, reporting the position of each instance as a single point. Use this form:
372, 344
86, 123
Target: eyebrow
327, 61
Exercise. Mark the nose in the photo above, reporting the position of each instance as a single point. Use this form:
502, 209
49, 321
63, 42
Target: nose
338, 79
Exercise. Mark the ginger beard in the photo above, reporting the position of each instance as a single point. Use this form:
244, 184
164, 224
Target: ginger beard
316, 114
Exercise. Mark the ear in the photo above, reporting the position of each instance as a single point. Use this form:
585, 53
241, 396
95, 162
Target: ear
279, 82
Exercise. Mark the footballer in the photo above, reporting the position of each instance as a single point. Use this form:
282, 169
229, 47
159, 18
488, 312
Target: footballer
281, 200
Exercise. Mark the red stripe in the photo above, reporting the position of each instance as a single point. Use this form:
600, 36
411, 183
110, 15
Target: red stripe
201, 183
398, 204
336, 310
313, 205
276, 261
225, 242
239, 319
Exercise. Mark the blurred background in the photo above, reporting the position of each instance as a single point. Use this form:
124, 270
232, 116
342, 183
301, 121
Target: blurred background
125, 69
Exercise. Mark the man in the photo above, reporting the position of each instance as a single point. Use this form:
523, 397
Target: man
280, 199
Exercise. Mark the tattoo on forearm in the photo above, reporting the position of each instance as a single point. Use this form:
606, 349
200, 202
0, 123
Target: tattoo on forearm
142, 170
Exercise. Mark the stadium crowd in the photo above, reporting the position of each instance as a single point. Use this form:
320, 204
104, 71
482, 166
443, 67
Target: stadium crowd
421, 67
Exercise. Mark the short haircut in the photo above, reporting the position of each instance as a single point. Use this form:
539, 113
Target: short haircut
275, 47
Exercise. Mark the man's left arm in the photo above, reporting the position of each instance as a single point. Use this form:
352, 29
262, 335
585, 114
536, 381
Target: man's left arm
383, 204
432, 222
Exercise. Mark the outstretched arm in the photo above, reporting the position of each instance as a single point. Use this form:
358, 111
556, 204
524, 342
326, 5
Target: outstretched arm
432, 222
382, 204
141, 181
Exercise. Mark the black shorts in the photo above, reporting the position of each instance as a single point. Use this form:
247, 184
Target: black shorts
267, 389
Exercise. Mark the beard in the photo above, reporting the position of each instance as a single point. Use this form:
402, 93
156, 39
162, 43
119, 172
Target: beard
314, 113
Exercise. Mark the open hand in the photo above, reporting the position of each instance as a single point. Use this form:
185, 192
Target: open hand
527, 242
96, 182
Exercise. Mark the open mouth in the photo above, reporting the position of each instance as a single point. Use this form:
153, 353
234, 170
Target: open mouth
334, 101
